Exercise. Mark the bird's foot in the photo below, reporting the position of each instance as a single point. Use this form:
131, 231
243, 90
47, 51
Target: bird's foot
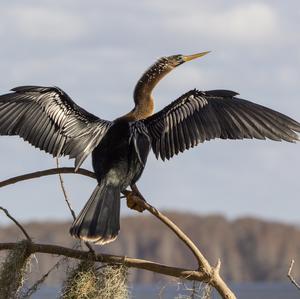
134, 201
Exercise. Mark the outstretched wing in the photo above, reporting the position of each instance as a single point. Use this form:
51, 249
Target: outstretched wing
199, 116
47, 118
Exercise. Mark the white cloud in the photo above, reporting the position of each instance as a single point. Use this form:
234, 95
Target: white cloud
42, 23
247, 22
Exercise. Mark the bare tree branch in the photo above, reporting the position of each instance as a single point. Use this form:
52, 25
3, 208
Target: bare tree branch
46, 172
213, 273
181, 273
113, 259
62, 185
202, 262
290, 276
17, 223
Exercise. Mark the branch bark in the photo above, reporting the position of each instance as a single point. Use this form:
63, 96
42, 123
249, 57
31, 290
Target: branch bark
112, 259
205, 272
64, 191
42, 173
17, 223
290, 276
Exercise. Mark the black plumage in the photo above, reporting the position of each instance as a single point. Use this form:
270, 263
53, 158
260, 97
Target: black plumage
47, 118
199, 116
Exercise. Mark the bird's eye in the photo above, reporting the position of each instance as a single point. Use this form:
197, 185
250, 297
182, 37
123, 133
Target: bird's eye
179, 59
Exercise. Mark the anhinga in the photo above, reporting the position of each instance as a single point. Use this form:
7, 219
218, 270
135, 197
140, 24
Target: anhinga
47, 118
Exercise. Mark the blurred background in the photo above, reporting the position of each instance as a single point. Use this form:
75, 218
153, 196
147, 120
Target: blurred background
97, 50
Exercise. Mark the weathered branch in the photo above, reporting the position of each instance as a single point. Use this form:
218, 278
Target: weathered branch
51, 171
205, 272
202, 262
17, 223
204, 266
112, 259
290, 276
64, 191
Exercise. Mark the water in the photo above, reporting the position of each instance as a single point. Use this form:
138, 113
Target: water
170, 291
244, 291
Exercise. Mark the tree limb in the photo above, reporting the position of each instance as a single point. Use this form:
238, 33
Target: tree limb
51, 171
113, 259
290, 276
17, 223
202, 262
213, 273
64, 191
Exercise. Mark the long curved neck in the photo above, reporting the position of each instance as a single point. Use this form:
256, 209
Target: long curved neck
143, 99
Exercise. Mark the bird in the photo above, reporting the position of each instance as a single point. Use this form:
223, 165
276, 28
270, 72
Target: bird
50, 120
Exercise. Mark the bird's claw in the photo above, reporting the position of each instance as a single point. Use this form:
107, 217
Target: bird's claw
135, 202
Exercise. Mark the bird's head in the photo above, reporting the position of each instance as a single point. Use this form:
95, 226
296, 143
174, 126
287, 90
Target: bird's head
164, 65
176, 60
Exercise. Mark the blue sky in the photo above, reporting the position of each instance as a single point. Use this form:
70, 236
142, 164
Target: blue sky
96, 51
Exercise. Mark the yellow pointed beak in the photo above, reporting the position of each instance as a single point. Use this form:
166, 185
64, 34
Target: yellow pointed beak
194, 56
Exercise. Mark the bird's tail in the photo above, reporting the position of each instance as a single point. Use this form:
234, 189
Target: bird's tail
99, 220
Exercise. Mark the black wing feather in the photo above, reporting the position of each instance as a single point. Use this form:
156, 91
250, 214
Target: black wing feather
199, 116
47, 118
